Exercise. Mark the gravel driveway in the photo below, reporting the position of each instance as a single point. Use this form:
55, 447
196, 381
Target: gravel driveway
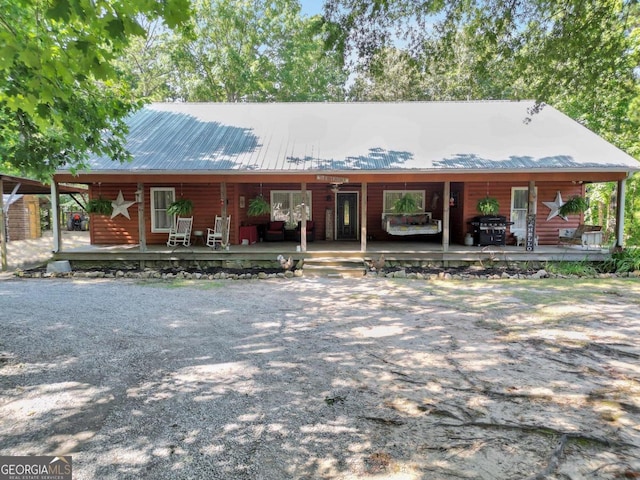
323, 378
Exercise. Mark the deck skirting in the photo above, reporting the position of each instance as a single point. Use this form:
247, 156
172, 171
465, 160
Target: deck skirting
265, 255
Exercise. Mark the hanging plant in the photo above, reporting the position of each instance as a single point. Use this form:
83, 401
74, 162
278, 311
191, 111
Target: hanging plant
181, 207
407, 203
258, 206
99, 206
488, 206
574, 206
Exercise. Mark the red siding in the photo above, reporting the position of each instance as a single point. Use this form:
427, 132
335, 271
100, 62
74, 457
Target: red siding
207, 204
113, 231
546, 230
321, 199
375, 205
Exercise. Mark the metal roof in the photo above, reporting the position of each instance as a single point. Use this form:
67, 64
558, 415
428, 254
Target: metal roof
27, 186
411, 136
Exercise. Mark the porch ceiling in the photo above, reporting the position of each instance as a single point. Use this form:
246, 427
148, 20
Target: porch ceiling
33, 187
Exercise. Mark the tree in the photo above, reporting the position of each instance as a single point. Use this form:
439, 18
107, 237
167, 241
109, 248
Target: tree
59, 90
257, 50
308, 61
581, 57
392, 75
147, 63
569, 45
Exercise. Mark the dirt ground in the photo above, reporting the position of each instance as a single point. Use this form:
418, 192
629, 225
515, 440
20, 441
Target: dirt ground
369, 378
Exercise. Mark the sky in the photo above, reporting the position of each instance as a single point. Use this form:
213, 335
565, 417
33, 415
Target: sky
311, 7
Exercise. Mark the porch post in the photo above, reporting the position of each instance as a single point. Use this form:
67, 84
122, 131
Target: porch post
622, 186
223, 210
142, 229
363, 218
303, 219
532, 211
3, 232
55, 214
446, 215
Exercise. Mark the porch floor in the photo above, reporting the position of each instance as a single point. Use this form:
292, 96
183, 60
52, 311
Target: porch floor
394, 251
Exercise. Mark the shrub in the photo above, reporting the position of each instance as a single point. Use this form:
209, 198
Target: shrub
582, 268
626, 260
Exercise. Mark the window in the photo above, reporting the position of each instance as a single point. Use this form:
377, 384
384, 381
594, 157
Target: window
286, 205
519, 208
161, 198
391, 196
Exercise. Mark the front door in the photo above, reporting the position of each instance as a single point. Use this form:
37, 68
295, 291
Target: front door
347, 216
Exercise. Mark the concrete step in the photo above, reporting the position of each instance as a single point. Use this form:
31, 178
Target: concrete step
333, 267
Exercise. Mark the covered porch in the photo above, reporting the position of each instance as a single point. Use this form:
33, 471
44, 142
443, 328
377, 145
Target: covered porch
340, 169
319, 253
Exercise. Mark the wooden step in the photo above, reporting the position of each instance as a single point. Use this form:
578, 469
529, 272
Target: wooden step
333, 267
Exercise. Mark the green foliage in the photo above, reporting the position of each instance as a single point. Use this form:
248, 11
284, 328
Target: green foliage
59, 92
632, 211
548, 51
580, 57
391, 76
147, 63
626, 260
257, 50
407, 203
488, 206
582, 268
258, 206
573, 206
181, 207
100, 206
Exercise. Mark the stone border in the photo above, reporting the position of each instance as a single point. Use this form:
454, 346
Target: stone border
150, 274
156, 275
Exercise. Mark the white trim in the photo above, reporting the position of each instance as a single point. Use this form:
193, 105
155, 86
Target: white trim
290, 193
152, 190
519, 232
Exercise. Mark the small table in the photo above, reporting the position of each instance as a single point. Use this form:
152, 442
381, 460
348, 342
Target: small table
198, 235
249, 233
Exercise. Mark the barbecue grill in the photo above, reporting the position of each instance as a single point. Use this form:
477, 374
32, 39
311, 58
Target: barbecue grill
489, 230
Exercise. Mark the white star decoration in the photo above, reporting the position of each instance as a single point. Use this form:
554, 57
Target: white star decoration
555, 206
120, 206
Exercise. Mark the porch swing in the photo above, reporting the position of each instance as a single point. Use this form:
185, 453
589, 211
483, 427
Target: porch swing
414, 224
407, 219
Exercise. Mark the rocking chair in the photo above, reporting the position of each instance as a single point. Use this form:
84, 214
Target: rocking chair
214, 235
181, 232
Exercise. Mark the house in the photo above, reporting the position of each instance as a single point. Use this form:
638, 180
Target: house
343, 166
20, 209
22, 217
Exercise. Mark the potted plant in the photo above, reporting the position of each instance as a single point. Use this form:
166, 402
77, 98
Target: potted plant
488, 206
406, 204
258, 206
99, 206
182, 207
574, 206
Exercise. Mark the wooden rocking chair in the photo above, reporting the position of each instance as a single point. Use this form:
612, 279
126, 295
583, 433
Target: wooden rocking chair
215, 236
180, 234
